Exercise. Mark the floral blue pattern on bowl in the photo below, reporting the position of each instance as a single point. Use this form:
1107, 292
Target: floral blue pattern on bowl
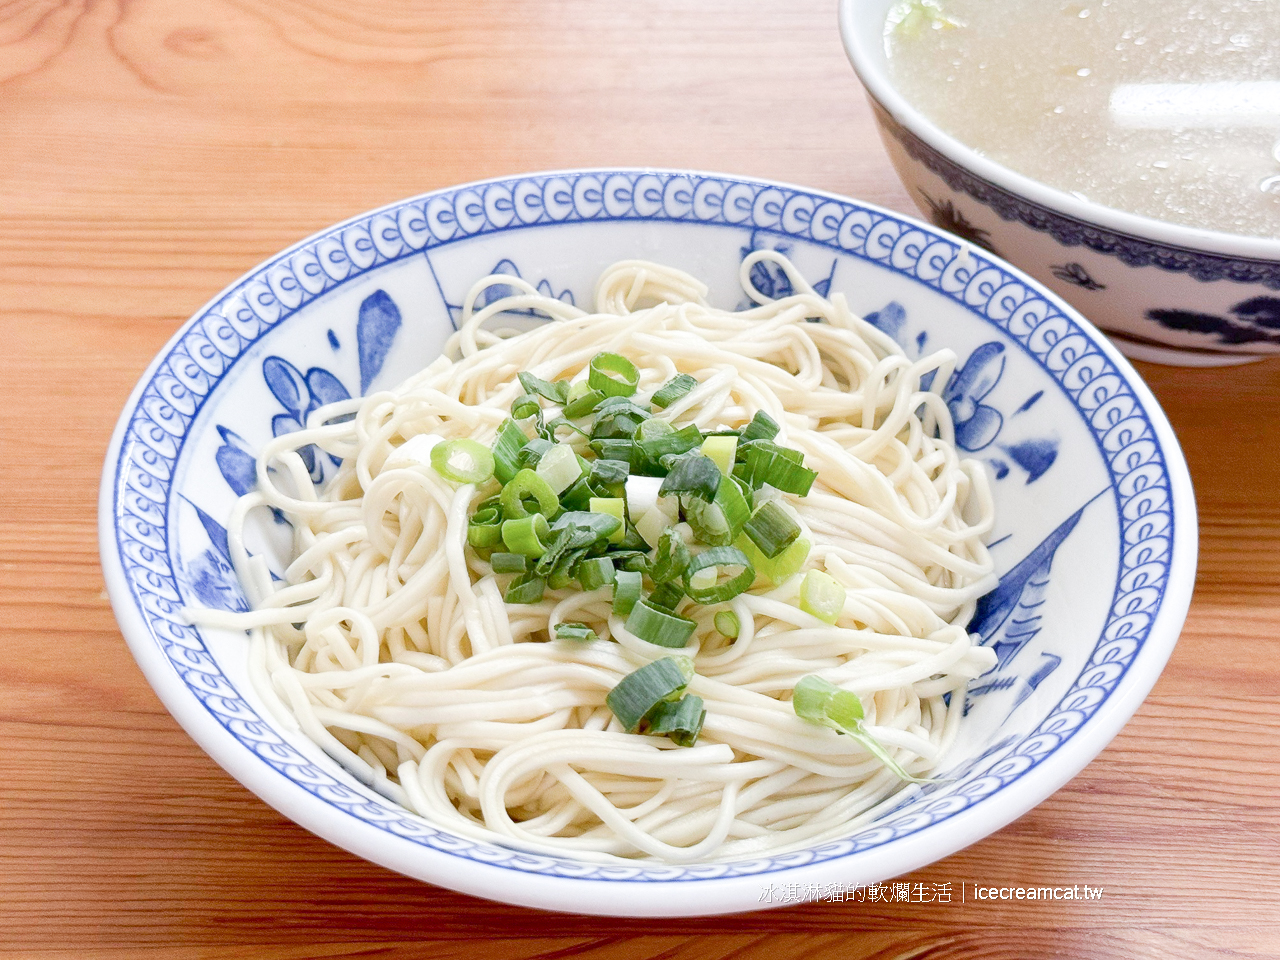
1093, 494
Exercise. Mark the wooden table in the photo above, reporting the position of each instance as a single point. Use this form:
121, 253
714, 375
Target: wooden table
152, 151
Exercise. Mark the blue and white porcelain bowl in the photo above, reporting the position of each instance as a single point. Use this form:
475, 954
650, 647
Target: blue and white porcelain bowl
1162, 292
1095, 542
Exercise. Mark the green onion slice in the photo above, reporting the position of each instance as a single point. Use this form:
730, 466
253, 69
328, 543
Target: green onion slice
583, 403
717, 591
506, 450
650, 430
484, 530
526, 535
614, 507
659, 626
559, 467
667, 595
680, 441
680, 720
551, 426
609, 472
761, 427
822, 702
727, 623
556, 392
721, 449
532, 452
525, 406
771, 528
595, 572
462, 461
574, 631
822, 595
636, 695
692, 474
672, 557
719, 522
527, 493
613, 375
526, 588
780, 467
673, 390
785, 565
626, 591
509, 562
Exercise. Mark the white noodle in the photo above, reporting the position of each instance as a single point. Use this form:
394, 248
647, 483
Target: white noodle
412, 671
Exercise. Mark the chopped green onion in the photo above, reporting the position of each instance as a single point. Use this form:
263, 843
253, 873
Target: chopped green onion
652, 524
780, 467
526, 588
562, 575
771, 528
574, 631
527, 493
595, 572
680, 441
526, 535
680, 720
615, 424
582, 404
650, 430
532, 452
656, 625
822, 702
578, 496
506, 450
822, 595
667, 595
484, 530
782, 567
609, 472
616, 448
812, 694
509, 562
613, 375
719, 522
612, 507
672, 557
525, 406
626, 590
556, 392
560, 553
721, 449
623, 406
718, 592
551, 426
726, 621
590, 526
559, 467
673, 390
761, 427
694, 475
462, 461
639, 692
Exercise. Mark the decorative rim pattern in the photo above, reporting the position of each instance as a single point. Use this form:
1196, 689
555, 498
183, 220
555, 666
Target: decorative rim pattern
191, 369
1070, 232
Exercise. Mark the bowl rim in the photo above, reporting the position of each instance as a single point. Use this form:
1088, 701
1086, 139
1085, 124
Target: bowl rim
717, 894
861, 34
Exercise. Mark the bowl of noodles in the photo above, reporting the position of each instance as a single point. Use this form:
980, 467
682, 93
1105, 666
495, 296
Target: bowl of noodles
643, 542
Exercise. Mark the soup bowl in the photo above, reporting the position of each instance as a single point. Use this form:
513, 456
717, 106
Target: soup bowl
1163, 292
1094, 545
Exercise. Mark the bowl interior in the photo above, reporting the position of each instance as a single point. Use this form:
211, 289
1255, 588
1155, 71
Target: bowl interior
1094, 544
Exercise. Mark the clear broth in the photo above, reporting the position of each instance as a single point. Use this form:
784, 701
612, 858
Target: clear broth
1165, 108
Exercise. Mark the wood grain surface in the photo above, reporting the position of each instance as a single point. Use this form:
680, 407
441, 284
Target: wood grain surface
151, 151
